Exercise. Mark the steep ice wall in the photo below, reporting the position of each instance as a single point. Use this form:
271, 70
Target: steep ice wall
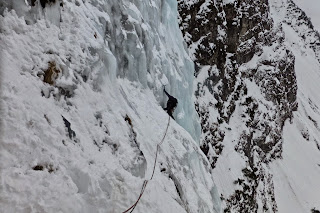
81, 114
146, 41
140, 41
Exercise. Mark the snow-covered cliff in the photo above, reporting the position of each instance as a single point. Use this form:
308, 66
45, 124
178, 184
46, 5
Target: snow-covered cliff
81, 109
256, 72
81, 86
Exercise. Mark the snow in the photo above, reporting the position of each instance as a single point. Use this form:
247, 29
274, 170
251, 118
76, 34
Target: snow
297, 175
228, 2
230, 164
204, 8
112, 59
311, 8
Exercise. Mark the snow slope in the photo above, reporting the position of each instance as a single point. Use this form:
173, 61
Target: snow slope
81, 114
297, 175
311, 8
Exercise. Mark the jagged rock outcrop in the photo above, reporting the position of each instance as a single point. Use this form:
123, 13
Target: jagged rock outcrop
301, 23
242, 65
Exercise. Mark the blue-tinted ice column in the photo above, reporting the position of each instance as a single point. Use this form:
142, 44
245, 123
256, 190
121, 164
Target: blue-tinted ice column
146, 40
180, 72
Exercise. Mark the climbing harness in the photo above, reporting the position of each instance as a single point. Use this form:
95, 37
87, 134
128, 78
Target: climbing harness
145, 182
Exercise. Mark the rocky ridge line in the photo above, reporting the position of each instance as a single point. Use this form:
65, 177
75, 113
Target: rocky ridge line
233, 46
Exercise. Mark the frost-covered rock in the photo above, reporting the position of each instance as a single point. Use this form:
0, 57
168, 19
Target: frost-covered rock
246, 89
257, 69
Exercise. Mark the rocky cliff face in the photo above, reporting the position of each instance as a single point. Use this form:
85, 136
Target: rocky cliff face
302, 25
243, 70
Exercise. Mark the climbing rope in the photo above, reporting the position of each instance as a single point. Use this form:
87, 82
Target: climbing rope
145, 182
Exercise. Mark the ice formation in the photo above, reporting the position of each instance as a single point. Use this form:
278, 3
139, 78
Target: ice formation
81, 109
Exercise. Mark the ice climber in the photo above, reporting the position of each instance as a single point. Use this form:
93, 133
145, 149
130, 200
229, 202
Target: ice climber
171, 104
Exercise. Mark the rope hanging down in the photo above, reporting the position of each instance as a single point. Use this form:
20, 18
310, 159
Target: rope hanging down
145, 182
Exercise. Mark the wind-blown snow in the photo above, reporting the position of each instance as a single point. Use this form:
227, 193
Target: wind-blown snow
86, 142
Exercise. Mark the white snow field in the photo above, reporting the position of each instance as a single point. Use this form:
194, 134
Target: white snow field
81, 109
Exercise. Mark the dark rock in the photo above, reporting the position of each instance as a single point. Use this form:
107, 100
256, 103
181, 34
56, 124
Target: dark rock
67, 124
